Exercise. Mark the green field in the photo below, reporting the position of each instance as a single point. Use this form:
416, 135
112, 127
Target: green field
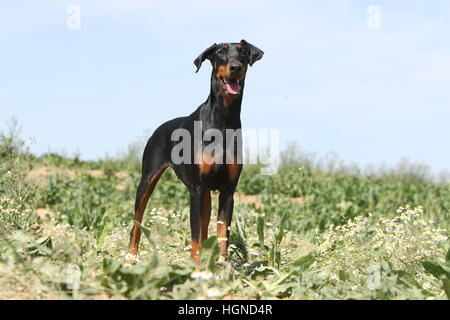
318, 229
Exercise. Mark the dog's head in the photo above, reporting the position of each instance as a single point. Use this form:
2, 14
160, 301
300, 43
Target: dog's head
230, 61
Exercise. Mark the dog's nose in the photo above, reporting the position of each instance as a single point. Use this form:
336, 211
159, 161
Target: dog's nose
235, 67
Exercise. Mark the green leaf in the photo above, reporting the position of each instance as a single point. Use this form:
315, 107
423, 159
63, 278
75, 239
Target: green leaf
102, 230
447, 256
446, 286
210, 253
240, 253
110, 267
329, 292
260, 230
261, 270
406, 278
45, 242
240, 227
343, 275
146, 232
437, 268
282, 223
303, 262
91, 291
43, 247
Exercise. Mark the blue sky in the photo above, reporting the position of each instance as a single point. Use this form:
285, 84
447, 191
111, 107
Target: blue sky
326, 80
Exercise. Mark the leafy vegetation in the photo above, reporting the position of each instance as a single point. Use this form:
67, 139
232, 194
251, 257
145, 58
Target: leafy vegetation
318, 229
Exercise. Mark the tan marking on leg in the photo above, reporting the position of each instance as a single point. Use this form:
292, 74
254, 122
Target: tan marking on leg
222, 237
195, 251
196, 245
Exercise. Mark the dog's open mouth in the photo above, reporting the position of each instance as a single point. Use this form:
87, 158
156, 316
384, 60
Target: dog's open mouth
230, 86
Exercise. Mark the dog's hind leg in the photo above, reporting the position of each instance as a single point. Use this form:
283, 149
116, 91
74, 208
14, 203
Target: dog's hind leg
199, 219
150, 177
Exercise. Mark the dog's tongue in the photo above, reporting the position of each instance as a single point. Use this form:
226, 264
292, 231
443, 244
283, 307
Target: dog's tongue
233, 87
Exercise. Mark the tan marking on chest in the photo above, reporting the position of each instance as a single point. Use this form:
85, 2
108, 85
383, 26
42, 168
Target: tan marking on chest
227, 100
205, 162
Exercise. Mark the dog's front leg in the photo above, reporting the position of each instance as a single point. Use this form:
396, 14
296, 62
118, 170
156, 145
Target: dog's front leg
226, 204
199, 219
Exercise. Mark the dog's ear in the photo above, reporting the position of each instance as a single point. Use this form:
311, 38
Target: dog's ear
253, 53
205, 55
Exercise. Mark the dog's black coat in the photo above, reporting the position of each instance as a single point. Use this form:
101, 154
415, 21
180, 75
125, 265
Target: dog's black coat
220, 111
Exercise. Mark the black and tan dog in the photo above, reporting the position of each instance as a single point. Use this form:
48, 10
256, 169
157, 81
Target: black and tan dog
202, 173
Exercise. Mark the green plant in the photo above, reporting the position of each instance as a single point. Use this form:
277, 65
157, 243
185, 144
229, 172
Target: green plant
17, 191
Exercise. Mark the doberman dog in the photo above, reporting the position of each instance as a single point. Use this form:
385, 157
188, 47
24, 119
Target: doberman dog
203, 172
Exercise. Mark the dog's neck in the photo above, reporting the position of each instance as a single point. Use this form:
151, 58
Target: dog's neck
222, 113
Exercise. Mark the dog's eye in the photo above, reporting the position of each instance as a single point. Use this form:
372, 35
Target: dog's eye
221, 53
